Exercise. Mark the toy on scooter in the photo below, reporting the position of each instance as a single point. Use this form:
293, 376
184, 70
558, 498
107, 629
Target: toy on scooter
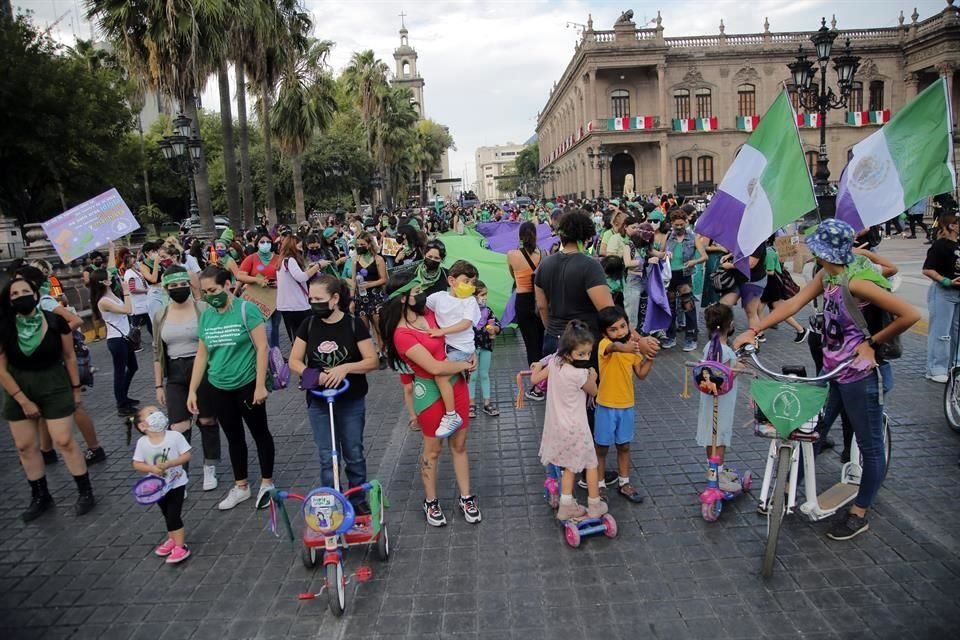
332, 524
716, 379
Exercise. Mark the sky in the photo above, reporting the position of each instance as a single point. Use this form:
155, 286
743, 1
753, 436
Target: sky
488, 65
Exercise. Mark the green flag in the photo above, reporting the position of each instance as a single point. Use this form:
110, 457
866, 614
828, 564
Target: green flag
787, 405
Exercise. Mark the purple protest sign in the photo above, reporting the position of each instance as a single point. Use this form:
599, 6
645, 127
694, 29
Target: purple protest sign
80, 230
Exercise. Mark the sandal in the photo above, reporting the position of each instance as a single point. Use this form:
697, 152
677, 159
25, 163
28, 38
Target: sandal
490, 410
473, 411
630, 492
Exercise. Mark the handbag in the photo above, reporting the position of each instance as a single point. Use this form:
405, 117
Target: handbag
788, 285
723, 280
133, 336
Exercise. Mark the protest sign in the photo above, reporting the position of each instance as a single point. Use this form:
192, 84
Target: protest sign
793, 247
78, 231
264, 297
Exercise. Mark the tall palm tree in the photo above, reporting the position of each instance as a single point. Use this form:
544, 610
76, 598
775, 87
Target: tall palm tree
366, 79
170, 54
306, 102
229, 152
395, 133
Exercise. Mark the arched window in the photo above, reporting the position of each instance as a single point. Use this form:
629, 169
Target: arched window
620, 103
746, 100
681, 102
406, 68
705, 172
684, 170
812, 157
876, 95
704, 103
856, 97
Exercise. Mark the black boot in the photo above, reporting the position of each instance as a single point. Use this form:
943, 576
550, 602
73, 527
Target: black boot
40, 500
85, 501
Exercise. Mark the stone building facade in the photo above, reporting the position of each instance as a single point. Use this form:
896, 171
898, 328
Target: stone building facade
673, 111
493, 162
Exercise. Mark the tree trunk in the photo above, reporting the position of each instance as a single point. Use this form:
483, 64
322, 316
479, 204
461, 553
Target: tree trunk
200, 179
246, 182
356, 199
229, 153
297, 168
266, 100
143, 162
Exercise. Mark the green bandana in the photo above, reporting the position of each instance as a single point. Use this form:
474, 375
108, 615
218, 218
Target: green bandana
45, 288
860, 269
413, 222
169, 278
29, 332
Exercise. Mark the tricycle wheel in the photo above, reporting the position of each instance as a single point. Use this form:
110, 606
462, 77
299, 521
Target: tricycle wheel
571, 534
309, 556
383, 545
747, 481
610, 525
711, 510
336, 595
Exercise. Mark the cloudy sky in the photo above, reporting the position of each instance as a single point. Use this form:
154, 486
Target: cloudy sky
489, 65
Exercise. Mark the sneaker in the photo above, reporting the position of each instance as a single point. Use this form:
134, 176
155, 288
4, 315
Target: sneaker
166, 548
93, 456
690, 345
848, 527
361, 508
535, 394
801, 336
209, 477
449, 424
234, 497
471, 512
609, 478
85, 503
264, 488
50, 457
669, 343
940, 379
126, 410
435, 517
179, 554
572, 511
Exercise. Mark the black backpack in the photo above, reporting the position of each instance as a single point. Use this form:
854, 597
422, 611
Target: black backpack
870, 320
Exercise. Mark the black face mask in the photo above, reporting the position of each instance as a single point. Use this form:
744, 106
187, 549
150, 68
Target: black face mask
24, 305
430, 264
419, 304
180, 294
581, 364
622, 340
321, 310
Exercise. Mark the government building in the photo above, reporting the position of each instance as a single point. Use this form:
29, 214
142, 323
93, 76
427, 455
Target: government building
672, 111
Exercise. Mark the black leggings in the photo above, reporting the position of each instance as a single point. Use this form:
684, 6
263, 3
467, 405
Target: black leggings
209, 439
233, 408
124, 368
171, 505
531, 328
292, 321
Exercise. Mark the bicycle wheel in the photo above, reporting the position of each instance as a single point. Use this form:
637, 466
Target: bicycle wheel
777, 510
951, 399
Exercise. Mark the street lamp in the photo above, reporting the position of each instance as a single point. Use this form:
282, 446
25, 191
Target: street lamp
821, 97
599, 160
182, 148
551, 173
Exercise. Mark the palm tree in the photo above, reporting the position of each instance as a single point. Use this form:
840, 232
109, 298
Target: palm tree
306, 102
246, 178
229, 152
366, 79
170, 54
395, 133
433, 140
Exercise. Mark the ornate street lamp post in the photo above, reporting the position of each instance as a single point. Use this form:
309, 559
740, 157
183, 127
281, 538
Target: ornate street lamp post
599, 160
182, 149
821, 98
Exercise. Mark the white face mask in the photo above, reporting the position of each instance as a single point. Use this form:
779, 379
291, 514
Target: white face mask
157, 422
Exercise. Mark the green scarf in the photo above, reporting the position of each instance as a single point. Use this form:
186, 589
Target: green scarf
148, 262
29, 332
860, 269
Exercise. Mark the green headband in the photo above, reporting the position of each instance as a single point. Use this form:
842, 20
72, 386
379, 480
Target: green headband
180, 276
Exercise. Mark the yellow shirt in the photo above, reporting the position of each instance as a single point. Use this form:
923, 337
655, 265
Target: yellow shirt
616, 377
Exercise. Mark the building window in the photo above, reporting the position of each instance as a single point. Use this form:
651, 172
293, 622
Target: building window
746, 100
681, 101
876, 95
406, 68
812, 157
856, 97
620, 103
704, 103
705, 169
684, 170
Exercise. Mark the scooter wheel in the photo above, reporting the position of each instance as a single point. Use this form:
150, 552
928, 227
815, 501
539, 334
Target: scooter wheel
610, 525
711, 510
336, 589
309, 557
571, 534
383, 544
747, 480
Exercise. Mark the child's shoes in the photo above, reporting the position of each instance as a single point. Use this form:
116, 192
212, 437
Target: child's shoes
570, 511
597, 509
166, 548
179, 554
449, 423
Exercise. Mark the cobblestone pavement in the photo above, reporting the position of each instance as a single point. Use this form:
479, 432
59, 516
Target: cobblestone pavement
668, 574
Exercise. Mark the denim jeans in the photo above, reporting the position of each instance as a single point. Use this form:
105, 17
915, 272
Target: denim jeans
484, 358
632, 288
860, 400
943, 327
676, 300
272, 326
124, 367
348, 420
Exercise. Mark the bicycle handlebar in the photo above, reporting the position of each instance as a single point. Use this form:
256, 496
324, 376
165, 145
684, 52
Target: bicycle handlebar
751, 350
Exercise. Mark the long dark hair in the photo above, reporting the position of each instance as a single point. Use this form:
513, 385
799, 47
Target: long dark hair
333, 285
7, 314
97, 288
391, 314
528, 237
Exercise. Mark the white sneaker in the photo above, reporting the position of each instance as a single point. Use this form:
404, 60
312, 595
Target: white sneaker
449, 423
263, 491
209, 477
234, 497
941, 379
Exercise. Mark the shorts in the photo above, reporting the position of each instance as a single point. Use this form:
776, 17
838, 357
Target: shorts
456, 355
49, 389
613, 426
177, 388
750, 291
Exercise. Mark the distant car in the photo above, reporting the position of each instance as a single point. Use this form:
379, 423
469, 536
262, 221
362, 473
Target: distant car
523, 201
470, 202
220, 224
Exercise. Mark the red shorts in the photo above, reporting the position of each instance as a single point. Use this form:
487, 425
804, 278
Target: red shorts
429, 419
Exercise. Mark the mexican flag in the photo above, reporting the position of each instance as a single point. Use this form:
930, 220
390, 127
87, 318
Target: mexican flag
747, 123
643, 122
685, 124
618, 124
707, 124
808, 120
880, 117
886, 175
858, 118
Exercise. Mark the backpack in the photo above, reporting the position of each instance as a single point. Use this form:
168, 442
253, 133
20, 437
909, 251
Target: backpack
870, 320
278, 371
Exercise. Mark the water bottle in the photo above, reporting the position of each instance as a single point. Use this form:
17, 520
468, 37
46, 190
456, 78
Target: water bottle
360, 280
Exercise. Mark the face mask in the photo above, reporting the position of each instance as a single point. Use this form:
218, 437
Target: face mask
216, 300
156, 422
321, 310
464, 290
221, 252
362, 250
419, 304
265, 247
430, 264
581, 364
622, 340
180, 294
166, 263
24, 305
97, 262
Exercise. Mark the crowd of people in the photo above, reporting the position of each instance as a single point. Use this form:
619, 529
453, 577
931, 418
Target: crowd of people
358, 295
